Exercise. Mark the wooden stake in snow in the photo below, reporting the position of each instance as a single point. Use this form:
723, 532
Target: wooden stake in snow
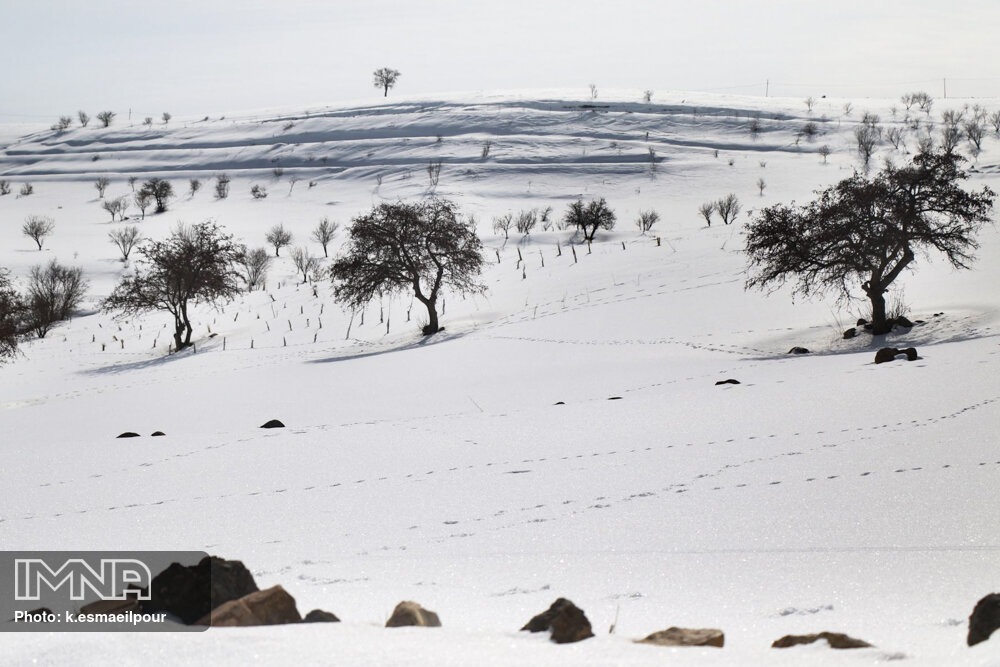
542, 256
349, 325
223, 344
558, 249
573, 248
498, 255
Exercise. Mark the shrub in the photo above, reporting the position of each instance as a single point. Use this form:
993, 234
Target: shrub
106, 117
279, 237
588, 219
160, 190
258, 191
54, 292
253, 265
222, 186
646, 220
37, 227
728, 208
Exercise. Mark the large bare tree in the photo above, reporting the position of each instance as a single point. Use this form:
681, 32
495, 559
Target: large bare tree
385, 78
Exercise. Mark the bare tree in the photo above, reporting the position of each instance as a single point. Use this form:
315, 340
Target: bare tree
646, 220
194, 264
253, 265
647, 96
166, 117
526, 221
222, 186
995, 122
125, 239
866, 138
148, 121
116, 206
866, 231
810, 102
848, 108
324, 233
160, 190
588, 219
102, 184
895, 136
824, 150
434, 172
37, 227
4, 188
63, 124
26, 190
728, 208
950, 138
304, 262
593, 91
503, 223
132, 181
400, 247
54, 292
385, 78
193, 186
974, 131
258, 191
83, 118
142, 200
279, 237
761, 184
12, 312
706, 210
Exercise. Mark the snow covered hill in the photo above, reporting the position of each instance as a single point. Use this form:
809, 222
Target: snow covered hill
564, 436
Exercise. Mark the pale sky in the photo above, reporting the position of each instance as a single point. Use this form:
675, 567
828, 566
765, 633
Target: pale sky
198, 57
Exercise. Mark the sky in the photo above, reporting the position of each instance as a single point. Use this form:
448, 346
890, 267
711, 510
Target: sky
201, 57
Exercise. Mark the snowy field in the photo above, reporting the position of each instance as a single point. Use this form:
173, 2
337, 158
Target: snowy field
563, 436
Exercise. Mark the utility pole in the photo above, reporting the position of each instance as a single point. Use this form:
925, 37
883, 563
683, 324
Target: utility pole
767, 87
944, 82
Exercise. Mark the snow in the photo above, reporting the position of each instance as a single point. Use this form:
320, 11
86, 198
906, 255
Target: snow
486, 470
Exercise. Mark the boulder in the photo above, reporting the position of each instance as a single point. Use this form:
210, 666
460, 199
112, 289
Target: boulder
128, 434
320, 616
886, 354
274, 423
729, 381
191, 592
272, 606
902, 322
834, 639
985, 619
411, 613
799, 350
157, 434
567, 622
850, 333
686, 637
861, 322
910, 352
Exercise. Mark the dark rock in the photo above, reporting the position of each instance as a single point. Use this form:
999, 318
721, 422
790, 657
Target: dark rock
320, 616
129, 434
799, 350
886, 354
191, 592
729, 381
850, 333
919, 322
409, 613
272, 606
560, 403
985, 619
868, 326
567, 622
274, 423
910, 352
834, 639
902, 322
157, 434
861, 322
614, 398
686, 637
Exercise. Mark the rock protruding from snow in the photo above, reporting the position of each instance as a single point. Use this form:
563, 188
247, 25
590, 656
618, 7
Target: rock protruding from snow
686, 637
890, 354
191, 592
320, 616
850, 333
799, 350
272, 606
410, 613
834, 639
128, 434
729, 381
985, 619
157, 434
274, 423
567, 622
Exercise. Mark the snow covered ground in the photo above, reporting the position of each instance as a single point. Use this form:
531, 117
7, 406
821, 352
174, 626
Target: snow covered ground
563, 436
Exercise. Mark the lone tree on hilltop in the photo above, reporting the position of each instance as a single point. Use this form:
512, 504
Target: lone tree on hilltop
865, 231
399, 247
588, 219
11, 317
106, 117
160, 190
195, 264
385, 78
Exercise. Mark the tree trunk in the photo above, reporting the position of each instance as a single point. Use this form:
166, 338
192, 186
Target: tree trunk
432, 318
386, 93
879, 324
